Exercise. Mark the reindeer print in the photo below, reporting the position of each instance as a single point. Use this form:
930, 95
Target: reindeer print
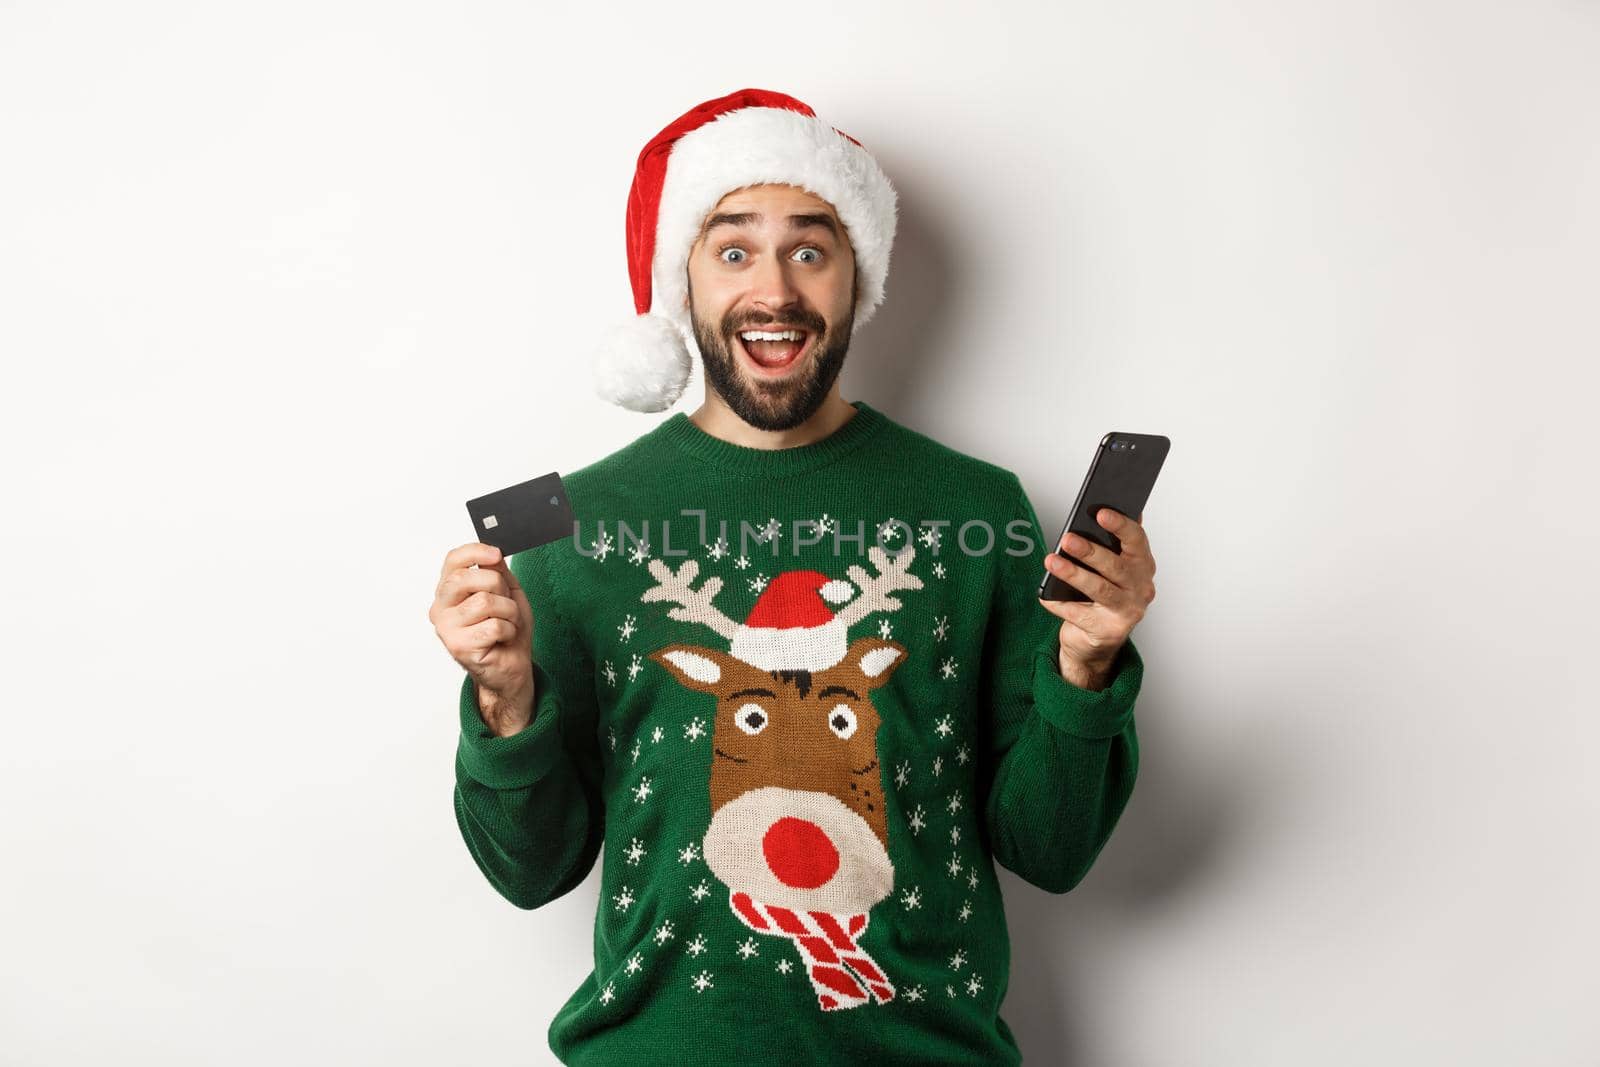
798, 831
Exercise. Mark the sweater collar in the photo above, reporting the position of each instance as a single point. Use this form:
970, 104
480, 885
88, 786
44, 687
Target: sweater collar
771, 462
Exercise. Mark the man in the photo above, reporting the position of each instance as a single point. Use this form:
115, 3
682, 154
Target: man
791, 670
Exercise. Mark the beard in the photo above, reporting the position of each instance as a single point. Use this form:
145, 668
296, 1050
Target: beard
773, 405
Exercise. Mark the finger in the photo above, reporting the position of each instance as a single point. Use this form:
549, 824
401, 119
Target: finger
1116, 569
1128, 532
463, 556
485, 635
460, 584
513, 586
1087, 582
481, 605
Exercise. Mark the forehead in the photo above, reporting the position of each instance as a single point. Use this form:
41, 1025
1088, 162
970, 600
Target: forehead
773, 203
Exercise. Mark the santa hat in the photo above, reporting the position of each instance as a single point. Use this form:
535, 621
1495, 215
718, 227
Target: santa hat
751, 137
792, 627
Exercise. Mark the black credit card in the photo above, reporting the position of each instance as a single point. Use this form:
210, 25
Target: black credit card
524, 516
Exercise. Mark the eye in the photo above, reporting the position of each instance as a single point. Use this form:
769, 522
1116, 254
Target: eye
815, 252
723, 254
842, 721
752, 718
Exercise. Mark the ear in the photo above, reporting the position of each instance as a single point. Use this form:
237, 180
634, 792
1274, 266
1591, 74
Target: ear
875, 658
694, 667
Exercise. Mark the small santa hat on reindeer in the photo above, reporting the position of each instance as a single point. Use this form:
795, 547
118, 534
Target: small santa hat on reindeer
791, 627
750, 137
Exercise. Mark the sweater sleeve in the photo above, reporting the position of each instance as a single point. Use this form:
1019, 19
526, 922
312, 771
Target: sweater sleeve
1062, 760
529, 805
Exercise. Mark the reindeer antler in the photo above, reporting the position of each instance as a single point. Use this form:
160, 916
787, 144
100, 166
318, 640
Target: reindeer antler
696, 603
893, 574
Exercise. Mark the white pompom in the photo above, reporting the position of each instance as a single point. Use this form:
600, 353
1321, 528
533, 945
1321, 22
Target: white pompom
643, 364
837, 591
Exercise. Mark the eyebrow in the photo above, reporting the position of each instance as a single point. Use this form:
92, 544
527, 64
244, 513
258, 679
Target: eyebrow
745, 218
751, 693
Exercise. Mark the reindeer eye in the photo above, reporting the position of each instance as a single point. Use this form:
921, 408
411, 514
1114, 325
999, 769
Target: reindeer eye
842, 721
752, 718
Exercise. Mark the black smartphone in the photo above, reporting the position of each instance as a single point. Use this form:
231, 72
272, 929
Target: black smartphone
1120, 477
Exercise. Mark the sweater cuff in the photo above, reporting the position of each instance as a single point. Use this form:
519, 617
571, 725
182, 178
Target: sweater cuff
1094, 714
517, 761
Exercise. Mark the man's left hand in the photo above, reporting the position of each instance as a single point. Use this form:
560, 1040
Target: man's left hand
1093, 631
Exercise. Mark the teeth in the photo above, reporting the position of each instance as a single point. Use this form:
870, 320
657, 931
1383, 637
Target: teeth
764, 335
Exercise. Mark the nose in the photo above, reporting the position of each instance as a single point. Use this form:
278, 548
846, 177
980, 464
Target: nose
799, 853
771, 284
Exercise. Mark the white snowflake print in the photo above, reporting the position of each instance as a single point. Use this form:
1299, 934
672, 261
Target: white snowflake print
917, 821
938, 765
639, 552
948, 668
915, 994
636, 750
655, 736
601, 547
950, 991
718, 550
635, 665
942, 628
700, 892
783, 966
955, 836
954, 803
758, 583
627, 629
912, 898
610, 672
611, 736
972, 878
641, 792
958, 960
663, 932
954, 866
771, 531
635, 961
743, 562
938, 570
963, 754
825, 524
624, 899
696, 730
902, 774
888, 530
747, 948
966, 911
635, 852
689, 853
929, 537
607, 993
974, 986
702, 982
695, 947
942, 727
885, 631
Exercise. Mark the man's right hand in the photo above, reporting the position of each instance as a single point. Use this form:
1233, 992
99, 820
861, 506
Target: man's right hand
482, 615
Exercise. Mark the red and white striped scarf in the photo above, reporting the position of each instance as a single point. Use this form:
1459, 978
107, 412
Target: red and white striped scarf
827, 944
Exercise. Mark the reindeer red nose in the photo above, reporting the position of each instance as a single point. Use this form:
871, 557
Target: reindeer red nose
799, 853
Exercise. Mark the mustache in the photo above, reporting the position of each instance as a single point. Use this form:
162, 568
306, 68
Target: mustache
805, 321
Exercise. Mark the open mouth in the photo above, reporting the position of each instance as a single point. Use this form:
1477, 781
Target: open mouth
772, 351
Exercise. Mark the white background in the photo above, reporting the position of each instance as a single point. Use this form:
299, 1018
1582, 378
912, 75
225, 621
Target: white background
282, 284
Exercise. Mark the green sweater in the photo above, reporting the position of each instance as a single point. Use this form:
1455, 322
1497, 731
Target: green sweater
800, 745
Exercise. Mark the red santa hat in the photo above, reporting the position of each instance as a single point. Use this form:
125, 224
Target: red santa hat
751, 137
792, 626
